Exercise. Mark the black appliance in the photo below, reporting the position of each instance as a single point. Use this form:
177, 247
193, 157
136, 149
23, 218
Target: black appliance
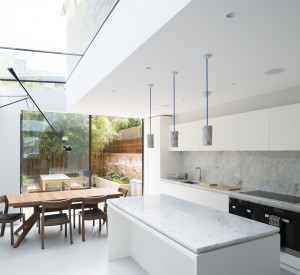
289, 221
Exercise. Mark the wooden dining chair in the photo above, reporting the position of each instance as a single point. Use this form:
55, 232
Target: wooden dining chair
123, 191
9, 218
56, 219
92, 214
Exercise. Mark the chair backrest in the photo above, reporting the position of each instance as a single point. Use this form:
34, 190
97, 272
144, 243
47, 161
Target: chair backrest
93, 200
3, 199
123, 191
56, 205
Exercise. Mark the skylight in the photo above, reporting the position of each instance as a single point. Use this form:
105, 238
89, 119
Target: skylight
44, 40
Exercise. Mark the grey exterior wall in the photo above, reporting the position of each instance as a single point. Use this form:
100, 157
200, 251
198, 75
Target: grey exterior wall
269, 171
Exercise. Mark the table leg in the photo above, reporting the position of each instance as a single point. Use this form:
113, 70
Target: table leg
29, 224
69, 185
20, 228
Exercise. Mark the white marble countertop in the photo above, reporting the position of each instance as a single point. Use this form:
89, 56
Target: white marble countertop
238, 195
198, 228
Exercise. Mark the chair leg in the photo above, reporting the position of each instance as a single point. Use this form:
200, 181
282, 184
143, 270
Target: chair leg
39, 221
12, 241
93, 222
24, 222
83, 231
79, 225
74, 218
3, 229
71, 235
42, 236
99, 225
66, 232
61, 224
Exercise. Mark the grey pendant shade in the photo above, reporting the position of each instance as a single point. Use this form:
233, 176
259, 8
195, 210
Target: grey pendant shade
174, 133
207, 129
150, 137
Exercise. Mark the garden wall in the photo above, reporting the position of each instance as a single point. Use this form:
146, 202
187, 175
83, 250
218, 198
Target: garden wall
121, 163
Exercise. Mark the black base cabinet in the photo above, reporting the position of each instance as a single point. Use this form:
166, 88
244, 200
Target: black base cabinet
289, 222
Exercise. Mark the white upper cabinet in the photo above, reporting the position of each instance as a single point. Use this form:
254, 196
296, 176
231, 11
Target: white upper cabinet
227, 139
254, 131
213, 123
188, 136
285, 128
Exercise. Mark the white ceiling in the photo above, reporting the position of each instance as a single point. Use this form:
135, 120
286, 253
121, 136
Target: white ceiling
265, 34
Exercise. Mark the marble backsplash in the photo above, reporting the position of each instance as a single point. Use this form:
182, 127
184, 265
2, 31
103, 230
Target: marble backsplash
277, 172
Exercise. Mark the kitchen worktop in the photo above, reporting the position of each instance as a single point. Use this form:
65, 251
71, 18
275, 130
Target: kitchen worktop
237, 194
196, 227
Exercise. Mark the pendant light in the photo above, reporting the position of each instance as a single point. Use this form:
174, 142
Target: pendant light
150, 137
207, 129
174, 134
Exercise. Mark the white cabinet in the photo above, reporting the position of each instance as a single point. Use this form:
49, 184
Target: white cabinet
227, 133
214, 200
206, 198
213, 123
174, 190
285, 128
254, 131
188, 136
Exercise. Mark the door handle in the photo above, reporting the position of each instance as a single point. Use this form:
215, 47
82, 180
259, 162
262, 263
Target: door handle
282, 219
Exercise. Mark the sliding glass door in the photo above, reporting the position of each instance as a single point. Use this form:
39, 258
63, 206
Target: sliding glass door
42, 153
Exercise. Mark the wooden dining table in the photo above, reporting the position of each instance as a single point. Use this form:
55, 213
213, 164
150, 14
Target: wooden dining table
35, 200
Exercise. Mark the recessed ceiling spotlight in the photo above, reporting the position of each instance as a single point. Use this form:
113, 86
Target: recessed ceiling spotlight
183, 99
114, 91
233, 84
148, 68
274, 71
165, 105
209, 93
231, 15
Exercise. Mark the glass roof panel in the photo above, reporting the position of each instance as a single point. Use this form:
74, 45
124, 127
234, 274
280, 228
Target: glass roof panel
43, 40
36, 66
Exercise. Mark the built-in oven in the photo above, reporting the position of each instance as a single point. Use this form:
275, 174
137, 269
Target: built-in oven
287, 221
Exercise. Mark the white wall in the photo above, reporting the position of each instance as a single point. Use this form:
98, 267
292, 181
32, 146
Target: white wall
131, 23
158, 161
49, 100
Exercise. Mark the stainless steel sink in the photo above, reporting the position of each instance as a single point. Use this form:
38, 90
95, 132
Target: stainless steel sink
190, 181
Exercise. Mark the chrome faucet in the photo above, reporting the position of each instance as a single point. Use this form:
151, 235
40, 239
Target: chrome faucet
200, 173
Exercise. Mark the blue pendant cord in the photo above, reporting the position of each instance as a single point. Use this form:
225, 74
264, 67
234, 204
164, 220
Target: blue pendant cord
206, 91
150, 110
174, 98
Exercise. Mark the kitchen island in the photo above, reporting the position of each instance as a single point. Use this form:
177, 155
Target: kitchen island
167, 235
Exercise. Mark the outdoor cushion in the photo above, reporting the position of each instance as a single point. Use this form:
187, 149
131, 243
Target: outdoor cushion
10, 216
92, 213
56, 217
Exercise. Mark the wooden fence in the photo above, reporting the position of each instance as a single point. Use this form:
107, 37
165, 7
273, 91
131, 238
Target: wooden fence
129, 146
